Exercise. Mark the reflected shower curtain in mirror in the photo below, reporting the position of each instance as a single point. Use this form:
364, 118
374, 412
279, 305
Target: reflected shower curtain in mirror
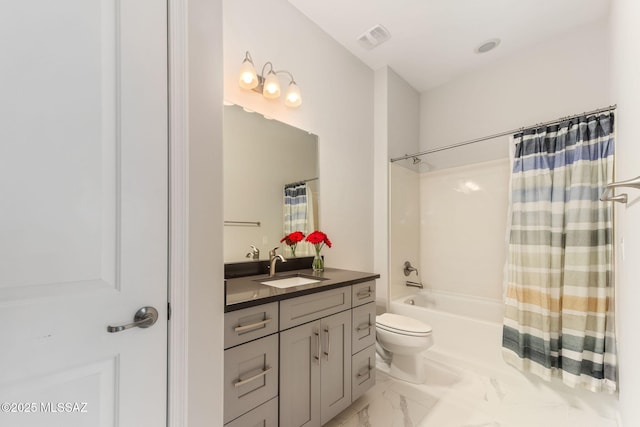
298, 213
559, 315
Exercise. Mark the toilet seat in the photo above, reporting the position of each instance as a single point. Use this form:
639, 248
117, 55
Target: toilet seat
402, 325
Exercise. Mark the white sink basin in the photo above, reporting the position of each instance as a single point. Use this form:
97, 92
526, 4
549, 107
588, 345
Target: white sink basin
290, 281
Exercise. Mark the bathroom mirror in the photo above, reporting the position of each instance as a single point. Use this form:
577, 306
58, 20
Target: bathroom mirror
261, 157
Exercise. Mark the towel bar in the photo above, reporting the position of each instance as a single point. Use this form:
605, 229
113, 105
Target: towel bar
607, 195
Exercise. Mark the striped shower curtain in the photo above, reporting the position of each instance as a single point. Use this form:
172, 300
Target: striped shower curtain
559, 278
298, 213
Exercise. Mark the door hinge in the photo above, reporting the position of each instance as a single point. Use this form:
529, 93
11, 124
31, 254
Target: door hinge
168, 311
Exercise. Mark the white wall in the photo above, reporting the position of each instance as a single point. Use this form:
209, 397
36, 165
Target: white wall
205, 290
403, 118
542, 83
260, 157
397, 130
337, 105
626, 92
381, 204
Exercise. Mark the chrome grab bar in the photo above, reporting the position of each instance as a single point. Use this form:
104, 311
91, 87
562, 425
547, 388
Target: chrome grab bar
607, 194
251, 326
365, 372
242, 382
363, 328
326, 353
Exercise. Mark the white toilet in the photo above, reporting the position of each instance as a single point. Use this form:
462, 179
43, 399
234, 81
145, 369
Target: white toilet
402, 340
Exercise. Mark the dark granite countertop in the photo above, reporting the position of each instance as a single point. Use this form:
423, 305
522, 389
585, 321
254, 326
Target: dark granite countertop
243, 292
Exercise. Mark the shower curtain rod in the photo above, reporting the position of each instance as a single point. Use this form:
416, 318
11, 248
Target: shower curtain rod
303, 181
509, 132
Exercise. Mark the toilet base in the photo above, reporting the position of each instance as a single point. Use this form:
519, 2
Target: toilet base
408, 368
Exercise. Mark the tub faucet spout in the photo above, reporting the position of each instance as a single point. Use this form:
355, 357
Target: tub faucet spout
414, 284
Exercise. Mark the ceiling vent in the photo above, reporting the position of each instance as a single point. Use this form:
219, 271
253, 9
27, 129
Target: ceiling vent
374, 36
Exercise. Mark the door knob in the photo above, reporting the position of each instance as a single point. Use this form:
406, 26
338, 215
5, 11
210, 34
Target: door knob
143, 318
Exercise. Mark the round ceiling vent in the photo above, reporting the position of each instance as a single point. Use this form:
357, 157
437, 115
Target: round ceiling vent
488, 45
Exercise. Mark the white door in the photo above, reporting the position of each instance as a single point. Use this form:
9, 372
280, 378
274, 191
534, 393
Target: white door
83, 212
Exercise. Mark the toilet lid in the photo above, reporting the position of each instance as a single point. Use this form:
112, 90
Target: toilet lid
402, 324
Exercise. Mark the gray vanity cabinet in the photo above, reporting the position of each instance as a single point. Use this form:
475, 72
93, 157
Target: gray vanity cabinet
315, 376
299, 361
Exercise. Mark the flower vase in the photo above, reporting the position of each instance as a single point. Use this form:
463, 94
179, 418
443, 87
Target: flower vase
318, 262
293, 251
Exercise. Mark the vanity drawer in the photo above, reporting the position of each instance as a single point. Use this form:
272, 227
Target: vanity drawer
363, 327
363, 372
250, 376
363, 293
265, 415
250, 323
296, 311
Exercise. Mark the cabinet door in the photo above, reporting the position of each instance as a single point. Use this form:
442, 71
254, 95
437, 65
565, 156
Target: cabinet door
335, 375
265, 415
250, 376
300, 376
363, 293
364, 327
250, 323
363, 365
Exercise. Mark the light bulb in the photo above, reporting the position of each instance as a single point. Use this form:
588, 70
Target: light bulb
271, 86
248, 76
293, 98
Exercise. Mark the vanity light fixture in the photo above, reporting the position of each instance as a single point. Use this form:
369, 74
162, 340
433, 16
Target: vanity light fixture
269, 86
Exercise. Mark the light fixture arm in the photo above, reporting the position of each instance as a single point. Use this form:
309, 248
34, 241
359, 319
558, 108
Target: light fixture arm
292, 80
265, 66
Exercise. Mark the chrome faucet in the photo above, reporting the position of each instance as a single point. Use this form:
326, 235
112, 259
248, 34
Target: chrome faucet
254, 254
273, 258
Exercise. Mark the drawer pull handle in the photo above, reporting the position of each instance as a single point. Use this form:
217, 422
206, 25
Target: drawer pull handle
365, 293
364, 328
317, 356
326, 353
252, 326
365, 372
242, 382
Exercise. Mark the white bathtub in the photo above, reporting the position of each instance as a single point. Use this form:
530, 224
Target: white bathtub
468, 328
468, 332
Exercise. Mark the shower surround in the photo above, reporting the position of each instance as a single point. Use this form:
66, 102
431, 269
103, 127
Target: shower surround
451, 224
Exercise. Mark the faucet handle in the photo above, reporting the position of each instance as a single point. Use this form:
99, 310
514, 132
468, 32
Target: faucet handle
408, 268
255, 252
272, 252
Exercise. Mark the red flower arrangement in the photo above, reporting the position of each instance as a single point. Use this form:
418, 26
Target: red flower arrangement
292, 240
318, 239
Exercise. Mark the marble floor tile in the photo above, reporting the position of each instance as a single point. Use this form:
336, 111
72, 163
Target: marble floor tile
456, 396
